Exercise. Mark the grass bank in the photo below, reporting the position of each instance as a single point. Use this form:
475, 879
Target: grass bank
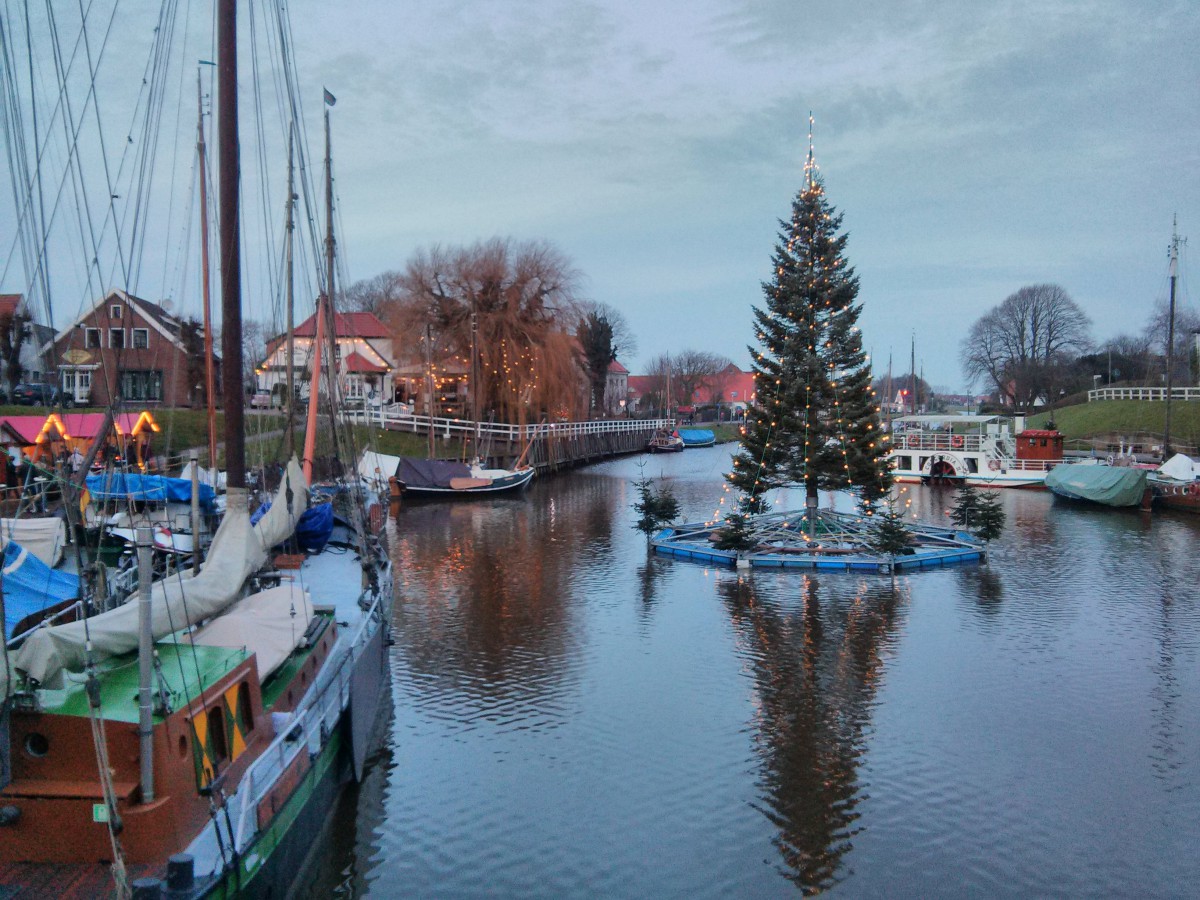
1130, 419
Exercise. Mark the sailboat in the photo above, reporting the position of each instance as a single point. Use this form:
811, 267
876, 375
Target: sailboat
191, 742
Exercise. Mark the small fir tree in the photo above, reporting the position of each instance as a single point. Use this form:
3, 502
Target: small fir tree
890, 537
989, 517
655, 508
737, 533
814, 419
966, 506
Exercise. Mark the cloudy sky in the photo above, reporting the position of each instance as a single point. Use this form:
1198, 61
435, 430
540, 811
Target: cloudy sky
973, 149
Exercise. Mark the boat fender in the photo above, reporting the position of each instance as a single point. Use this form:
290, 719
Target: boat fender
993, 465
1110, 459
956, 441
1195, 489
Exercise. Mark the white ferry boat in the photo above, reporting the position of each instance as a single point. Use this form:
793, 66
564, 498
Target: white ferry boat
985, 451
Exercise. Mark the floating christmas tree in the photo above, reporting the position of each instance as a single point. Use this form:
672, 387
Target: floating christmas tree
814, 420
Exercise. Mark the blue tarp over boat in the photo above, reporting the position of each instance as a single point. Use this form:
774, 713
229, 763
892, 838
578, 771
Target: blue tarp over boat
313, 529
31, 586
160, 488
697, 437
1106, 485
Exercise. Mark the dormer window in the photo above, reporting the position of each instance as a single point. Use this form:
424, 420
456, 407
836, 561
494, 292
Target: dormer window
114, 311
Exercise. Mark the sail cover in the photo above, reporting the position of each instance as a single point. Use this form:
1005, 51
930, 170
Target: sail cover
181, 600
44, 537
269, 624
31, 586
427, 473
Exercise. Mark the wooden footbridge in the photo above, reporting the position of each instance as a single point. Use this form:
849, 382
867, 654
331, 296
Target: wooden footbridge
547, 446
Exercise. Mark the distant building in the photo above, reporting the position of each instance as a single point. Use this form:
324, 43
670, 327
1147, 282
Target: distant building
33, 363
616, 389
365, 359
129, 346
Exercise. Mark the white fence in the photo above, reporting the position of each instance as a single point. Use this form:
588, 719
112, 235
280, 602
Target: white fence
396, 418
1144, 393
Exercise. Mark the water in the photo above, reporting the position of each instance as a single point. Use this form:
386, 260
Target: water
573, 717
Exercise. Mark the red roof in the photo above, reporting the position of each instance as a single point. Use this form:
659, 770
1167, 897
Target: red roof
9, 304
1039, 433
356, 362
349, 325
617, 369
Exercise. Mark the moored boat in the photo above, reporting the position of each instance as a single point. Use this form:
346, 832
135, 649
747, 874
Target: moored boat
697, 437
1099, 483
665, 440
984, 451
1176, 484
446, 479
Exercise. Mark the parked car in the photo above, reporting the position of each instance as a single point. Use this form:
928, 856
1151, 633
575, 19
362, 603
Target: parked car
261, 400
38, 395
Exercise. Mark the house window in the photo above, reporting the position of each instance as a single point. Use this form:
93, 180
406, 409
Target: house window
114, 312
116, 338
91, 338
141, 338
141, 384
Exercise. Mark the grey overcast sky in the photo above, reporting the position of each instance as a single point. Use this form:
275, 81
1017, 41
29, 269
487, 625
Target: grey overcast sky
973, 148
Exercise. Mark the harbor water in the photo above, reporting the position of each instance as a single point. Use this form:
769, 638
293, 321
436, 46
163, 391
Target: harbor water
572, 716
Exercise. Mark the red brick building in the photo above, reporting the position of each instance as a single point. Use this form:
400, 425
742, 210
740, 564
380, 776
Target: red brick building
127, 345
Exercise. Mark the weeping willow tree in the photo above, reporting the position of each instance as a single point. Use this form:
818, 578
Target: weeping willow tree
515, 305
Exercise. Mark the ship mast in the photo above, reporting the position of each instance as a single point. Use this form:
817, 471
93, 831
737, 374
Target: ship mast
1174, 253
210, 376
231, 265
290, 346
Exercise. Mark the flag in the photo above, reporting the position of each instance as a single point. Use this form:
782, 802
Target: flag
330, 100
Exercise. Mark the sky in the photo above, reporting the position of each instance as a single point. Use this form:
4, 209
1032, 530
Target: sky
972, 148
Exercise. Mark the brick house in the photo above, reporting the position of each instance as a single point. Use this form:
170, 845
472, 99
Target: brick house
365, 359
133, 347
32, 365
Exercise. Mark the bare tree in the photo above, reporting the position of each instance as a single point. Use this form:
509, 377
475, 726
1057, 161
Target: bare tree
374, 295
1024, 345
689, 370
1187, 322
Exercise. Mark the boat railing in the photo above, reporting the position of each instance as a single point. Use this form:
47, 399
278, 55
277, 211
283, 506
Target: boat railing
945, 442
310, 724
399, 420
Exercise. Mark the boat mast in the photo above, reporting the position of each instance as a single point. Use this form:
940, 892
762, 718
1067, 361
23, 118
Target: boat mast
1174, 254
475, 374
290, 346
912, 374
231, 268
210, 375
429, 383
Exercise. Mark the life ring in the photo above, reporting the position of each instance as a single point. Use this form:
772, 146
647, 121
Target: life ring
994, 465
1194, 490
1110, 459
956, 441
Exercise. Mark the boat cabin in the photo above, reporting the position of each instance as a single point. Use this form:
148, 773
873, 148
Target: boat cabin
1041, 444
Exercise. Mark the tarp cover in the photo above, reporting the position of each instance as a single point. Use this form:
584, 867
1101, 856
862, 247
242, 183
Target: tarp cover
269, 624
427, 473
120, 485
43, 537
1180, 467
377, 468
1107, 485
207, 476
238, 549
698, 436
31, 586
313, 529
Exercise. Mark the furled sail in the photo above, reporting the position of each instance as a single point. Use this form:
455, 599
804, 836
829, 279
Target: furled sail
237, 551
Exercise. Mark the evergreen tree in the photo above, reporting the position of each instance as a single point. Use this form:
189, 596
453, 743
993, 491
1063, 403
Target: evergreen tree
814, 419
595, 336
736, 534
966, 506
890, 537
655, 508
989, 517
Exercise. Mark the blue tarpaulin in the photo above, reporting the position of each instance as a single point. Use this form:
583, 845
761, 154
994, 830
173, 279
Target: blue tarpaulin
120, 485
313, 529
31, 586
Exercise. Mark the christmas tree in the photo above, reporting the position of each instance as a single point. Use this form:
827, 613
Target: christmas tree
814, 419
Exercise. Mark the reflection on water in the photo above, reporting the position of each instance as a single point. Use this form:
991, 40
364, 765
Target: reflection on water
575, 717
817, 658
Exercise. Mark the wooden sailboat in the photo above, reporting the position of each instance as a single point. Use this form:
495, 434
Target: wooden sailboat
191, 742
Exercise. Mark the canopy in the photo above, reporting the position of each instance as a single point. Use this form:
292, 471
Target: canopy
314, 528
31, 586
121, 486
1180, 467
419, 473
697, 436
1107, 485
269, 624
377, 468
44, 537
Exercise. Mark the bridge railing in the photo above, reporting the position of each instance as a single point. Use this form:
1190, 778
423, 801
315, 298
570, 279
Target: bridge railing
396, 418
1143, 393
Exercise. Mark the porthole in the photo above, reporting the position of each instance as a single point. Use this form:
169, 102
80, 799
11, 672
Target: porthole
36, 744
183, 747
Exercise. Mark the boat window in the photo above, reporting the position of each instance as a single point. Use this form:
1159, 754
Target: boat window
216, 735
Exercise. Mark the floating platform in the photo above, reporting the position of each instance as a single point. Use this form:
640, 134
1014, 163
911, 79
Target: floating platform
836, 541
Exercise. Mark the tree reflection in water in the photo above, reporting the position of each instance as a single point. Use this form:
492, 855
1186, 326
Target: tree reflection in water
817, 661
